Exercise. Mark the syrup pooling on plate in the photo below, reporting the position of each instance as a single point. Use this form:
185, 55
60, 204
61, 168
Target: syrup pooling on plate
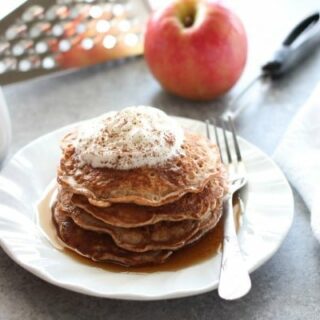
131, 138
44, 219
204, 249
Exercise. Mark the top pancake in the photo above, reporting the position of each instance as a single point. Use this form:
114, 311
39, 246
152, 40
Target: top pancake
190, 171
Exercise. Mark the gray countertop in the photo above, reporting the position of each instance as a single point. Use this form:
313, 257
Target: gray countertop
288, 285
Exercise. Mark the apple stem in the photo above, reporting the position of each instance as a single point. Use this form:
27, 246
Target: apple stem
188, 21
187, 11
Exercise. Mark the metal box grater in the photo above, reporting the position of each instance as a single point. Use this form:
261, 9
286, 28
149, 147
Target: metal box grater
42, 37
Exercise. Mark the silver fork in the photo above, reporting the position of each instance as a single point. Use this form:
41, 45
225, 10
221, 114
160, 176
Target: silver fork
234, 277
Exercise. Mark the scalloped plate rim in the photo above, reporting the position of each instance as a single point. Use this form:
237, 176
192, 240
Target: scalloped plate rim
174, 294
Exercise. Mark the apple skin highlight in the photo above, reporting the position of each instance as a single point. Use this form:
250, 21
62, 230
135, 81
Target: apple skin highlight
200, 56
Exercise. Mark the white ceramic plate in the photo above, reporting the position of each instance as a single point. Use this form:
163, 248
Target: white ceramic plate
22, 182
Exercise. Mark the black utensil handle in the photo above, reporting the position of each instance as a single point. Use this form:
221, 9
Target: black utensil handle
297, 45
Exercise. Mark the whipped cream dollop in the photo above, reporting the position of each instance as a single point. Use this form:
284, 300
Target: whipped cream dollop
131, 138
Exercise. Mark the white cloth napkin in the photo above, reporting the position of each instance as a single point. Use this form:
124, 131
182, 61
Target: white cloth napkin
299, 156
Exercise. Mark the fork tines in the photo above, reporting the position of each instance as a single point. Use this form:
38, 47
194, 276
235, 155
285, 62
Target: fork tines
226, 157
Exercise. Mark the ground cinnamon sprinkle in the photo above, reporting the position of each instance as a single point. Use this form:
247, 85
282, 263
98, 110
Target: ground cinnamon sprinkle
133, 137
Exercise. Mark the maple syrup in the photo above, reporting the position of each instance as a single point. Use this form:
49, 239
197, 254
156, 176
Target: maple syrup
202, 250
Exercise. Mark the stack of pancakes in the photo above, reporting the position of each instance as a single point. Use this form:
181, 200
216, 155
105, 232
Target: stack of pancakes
142, 215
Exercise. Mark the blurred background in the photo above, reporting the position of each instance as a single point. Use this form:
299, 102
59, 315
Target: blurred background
55, 101
41, 37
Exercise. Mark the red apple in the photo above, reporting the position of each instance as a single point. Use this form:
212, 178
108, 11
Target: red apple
196, 49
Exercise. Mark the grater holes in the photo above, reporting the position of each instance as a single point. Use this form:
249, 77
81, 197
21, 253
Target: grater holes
57, 12
38, 29
7, 64
124, 25
103, 26
81, 27
87, 43
65, 45
131, 39
43, 32
64, 2
15, 31
32, 13
118, 10
4, 47
49, 62
96, 12
109, 41
29, 63
25, 65
79, 10
64, 28
58, 30
21, 47
41, 47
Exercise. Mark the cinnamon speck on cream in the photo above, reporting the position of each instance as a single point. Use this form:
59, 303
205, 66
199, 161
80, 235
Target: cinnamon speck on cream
131, 138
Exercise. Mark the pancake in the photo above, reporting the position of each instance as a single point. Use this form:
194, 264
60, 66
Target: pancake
100, 247
165, 235
190, 206
190, 171
134, 188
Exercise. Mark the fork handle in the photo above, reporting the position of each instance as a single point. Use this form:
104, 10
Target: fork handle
234, 277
